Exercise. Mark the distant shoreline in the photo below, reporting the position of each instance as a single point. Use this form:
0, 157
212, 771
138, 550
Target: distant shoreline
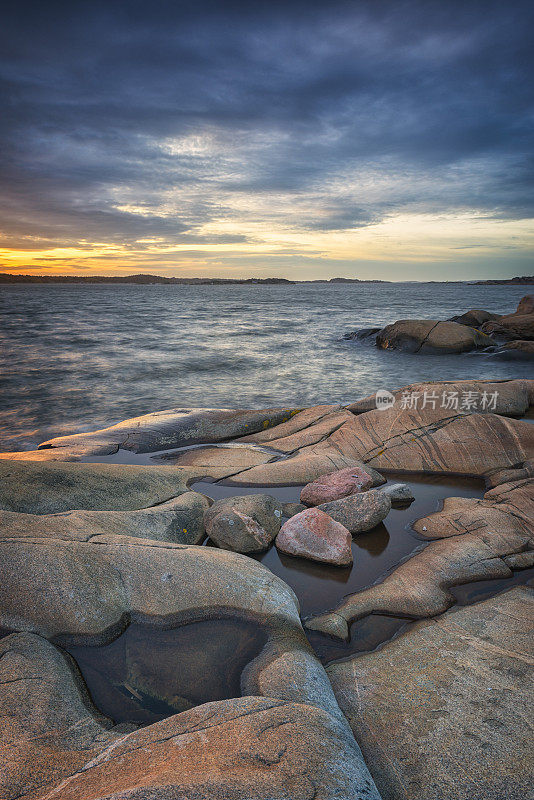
147, 280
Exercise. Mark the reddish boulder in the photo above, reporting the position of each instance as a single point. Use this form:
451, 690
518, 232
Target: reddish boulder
335, 485
313, 534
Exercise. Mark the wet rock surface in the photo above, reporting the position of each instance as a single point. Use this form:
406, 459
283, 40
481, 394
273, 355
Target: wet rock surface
339, 484
437, 711
55, 743
315, 535
520, 350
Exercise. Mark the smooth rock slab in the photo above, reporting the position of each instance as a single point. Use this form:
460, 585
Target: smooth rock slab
313, 534
177, 427
55, 744
177, 520
46, 488
359, 512
337, 484
244, 524
443, 710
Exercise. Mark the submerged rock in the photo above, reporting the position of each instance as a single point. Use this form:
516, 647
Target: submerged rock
339, 484
519, 350
362, 334
313, 534
431, 336
359, 512
438, 711
400, 494
244, 524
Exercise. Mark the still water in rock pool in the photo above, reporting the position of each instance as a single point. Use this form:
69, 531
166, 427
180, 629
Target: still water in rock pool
149, 673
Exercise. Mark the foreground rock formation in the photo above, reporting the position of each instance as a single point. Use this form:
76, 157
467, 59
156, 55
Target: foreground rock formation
55, 743
474, 540
278, 739
442, 711
89, 551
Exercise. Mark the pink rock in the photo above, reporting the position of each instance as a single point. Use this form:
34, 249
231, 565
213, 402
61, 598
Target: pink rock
336, 485
313, 534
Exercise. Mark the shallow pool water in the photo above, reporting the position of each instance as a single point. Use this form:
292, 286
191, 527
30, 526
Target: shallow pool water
148, 673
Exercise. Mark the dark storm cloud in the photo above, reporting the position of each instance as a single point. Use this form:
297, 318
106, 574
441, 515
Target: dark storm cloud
357, 110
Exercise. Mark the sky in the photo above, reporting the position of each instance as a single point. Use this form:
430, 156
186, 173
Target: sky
381, 139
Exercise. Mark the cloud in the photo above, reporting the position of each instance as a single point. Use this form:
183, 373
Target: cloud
215, 123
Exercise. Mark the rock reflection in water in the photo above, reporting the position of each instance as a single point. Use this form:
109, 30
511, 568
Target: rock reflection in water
376, 553
148, 673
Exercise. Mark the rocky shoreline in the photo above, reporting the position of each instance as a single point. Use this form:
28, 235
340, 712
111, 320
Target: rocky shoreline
90, 549
504, 336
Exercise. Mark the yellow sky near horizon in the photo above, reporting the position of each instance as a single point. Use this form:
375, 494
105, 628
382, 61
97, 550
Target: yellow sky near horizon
272, 248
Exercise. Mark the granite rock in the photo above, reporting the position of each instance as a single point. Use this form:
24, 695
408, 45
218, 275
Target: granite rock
431, 336
518, 350
177, 427
47, 488
56, 744
290, 509
439, 711
519, 325
335, 485
245, 524
400, 494
359, 512
474, 318
178, 520
313, 534
475, 540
